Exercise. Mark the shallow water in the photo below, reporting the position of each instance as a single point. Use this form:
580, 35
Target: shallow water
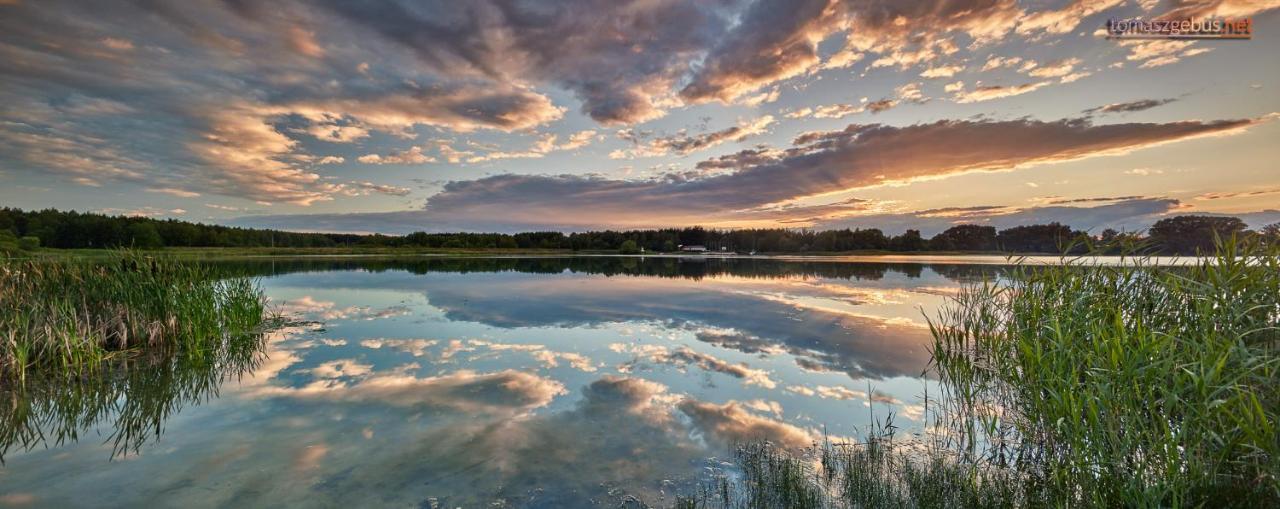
546, 382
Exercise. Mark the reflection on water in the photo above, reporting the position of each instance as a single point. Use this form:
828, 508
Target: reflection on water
538, 382
129, 399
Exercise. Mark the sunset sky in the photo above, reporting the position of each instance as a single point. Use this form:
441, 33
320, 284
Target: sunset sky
400, 116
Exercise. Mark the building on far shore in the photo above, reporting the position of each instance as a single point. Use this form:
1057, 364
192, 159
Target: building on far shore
693, 248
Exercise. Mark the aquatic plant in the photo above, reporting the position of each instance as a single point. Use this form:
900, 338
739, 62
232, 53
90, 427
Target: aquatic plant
1072, 386
1122, 386
69, 315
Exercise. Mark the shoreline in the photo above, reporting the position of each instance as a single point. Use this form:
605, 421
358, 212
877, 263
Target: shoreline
916, 257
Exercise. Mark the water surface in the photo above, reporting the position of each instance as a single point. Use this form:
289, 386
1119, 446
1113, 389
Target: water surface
534, 382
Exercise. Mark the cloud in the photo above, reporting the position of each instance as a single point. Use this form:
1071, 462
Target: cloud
181, 193
685, 356
730, 424
366, 188
1063, 20
502, 392
1131, 106
996, 62
858, 156
881, 105
990, 92
416, 347
218, 120
813, 337
684, 143
1217, 8
459, 108
1237, 194
622, 74
775, 40
778, 39
413, 155
230, 99
1157, 53
1056, 69
308, 308
945, 71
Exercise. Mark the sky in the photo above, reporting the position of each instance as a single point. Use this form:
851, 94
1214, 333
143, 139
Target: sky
396, 116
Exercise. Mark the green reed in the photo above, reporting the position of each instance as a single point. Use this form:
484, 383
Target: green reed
1071, 386
1123, 386
68, 315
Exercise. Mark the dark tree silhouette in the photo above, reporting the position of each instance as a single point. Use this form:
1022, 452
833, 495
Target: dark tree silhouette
1193, 234
58, 229
965, 237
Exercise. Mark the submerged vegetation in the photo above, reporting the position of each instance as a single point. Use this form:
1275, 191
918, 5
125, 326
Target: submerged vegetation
1072, 386
68, 316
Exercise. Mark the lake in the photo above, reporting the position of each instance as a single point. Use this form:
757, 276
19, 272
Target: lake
534, 382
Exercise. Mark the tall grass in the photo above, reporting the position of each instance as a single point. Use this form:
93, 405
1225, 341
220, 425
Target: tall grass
68, 316
1123, 386
1071, 386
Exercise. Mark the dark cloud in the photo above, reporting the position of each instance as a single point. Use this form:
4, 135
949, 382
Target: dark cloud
858, 156
684, 143
881, 105
619, 58
195, 95
229, 98
778, 39
1132, 106
1094, 200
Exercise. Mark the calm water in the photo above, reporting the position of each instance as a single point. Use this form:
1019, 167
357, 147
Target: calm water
534, 382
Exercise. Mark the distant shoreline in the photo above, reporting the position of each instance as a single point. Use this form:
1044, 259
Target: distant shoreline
921, 257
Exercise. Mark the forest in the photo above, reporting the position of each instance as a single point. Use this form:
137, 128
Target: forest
1186, 234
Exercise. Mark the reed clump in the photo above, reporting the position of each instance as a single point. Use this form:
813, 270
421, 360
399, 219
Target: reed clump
68, 315
1123, 386
1073, 386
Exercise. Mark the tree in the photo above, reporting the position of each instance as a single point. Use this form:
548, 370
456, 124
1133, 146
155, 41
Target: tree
910, 240
144, 236
1271, 234
1036, 238
668, 246
965, 237
629, 247
1193, 234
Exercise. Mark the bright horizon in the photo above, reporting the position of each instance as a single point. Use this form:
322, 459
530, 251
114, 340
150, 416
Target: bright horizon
394, 117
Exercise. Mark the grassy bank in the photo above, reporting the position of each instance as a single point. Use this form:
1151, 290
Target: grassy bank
68, 315
1068, 386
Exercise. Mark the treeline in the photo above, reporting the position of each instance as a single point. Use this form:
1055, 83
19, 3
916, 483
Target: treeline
1176, 235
